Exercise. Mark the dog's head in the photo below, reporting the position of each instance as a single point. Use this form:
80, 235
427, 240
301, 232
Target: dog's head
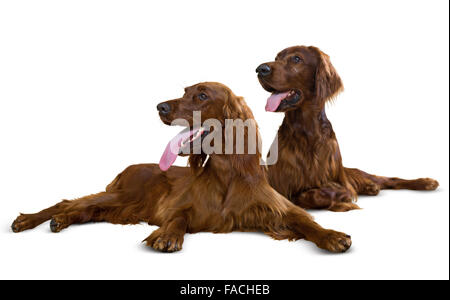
214, 100
201, 102
299, 74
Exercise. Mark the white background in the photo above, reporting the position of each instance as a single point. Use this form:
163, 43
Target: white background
79, 83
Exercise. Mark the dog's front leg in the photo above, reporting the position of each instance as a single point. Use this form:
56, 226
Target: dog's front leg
169, 237
299, 221
333, 197
296, 224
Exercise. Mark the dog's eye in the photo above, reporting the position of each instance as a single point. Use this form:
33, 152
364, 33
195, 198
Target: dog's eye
296, 59
203, 96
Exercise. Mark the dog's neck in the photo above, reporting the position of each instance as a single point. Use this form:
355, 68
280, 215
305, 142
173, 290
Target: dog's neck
227, 166
309, 122
236, 164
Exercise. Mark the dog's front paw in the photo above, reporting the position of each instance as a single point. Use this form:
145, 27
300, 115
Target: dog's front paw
370, 189
334, 241
164, 241
343, 206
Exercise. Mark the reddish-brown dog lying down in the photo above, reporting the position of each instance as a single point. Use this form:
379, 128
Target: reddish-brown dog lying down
224, 193
309, 169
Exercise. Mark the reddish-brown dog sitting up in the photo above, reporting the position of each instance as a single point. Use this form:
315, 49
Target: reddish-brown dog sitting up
309, 169
218, 193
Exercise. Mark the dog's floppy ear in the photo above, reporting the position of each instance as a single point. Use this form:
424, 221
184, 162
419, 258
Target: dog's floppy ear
327, 81
233, 108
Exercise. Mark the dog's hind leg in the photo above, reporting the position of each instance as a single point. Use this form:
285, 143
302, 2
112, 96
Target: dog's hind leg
29, 221
367, 184
102, 207
67, 212
83, 210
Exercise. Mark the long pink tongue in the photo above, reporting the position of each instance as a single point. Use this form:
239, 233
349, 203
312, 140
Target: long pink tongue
274, 101
173, 148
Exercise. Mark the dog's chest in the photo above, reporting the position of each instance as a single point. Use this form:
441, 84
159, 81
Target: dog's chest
302, 165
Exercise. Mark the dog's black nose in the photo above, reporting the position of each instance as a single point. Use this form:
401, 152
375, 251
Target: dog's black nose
263, 70
163, 108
